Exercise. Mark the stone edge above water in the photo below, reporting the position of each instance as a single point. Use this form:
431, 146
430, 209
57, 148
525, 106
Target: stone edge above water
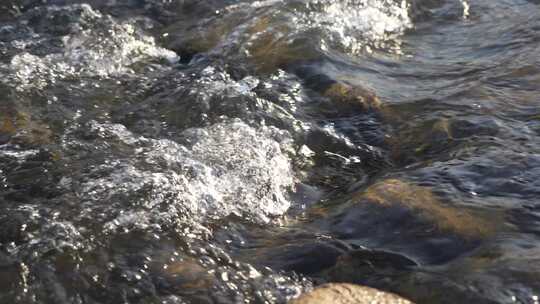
339, 293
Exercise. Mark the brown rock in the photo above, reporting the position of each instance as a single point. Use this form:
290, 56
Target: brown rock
188, 274
24, 128
391, 192
270, 51
351, 97
348, 294
414, 142
194, 42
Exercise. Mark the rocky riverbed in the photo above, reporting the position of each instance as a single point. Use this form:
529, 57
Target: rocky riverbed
238, 151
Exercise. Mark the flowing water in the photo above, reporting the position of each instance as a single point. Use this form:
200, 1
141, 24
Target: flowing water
235, 151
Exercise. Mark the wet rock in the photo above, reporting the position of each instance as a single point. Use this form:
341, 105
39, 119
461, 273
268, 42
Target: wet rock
307, 257
187, 274
434, 137
348, 293
352, 98
336, 97
368, 263
271, 52
396, 216
20, 122
429, 138
12, 228
22, 128
260, 37
187, 42
7, 130
394, 192
480, 126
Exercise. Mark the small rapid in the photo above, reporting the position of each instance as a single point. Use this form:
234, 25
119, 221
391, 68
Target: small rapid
243, 151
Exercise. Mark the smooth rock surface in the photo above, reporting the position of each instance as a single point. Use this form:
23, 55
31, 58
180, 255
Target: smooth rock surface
348, 293
394, 192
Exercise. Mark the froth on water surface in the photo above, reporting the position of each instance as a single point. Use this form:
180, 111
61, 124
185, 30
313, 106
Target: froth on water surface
236, 151
220, 174
91, 44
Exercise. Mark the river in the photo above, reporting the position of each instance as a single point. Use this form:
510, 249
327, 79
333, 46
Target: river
235, 151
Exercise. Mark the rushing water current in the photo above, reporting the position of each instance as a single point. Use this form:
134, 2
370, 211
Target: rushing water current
236, 151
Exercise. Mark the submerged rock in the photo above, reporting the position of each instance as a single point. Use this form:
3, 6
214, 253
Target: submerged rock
272, 34
429, 137
396, 216
188, 43
187, 274
21, 127
394, 192
353, 97
306, 257
362, 263
348, 293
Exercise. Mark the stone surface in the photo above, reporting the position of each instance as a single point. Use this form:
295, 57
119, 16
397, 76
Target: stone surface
352, 97
24, 128
187, 274
429, 137
348, 293
394, 192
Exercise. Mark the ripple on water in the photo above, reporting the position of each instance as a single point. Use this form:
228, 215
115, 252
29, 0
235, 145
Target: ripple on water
167, 180
276, 33
308, 29
509, 175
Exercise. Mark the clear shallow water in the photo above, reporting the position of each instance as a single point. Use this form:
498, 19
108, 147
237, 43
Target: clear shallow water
246, 151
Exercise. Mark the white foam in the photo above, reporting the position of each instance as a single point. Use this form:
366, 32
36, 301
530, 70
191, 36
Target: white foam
3, 180
16, 153
231, 168
358, 24
102, 48
350, 26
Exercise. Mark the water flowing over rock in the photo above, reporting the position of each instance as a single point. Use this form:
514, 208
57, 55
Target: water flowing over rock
242, 151
230, 168
358, 24
90, 45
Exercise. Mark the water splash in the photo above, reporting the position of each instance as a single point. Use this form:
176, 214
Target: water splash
358, 25
466, 8
91, 45
231, 168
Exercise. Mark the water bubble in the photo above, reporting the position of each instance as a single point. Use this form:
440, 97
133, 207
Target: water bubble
97, 46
